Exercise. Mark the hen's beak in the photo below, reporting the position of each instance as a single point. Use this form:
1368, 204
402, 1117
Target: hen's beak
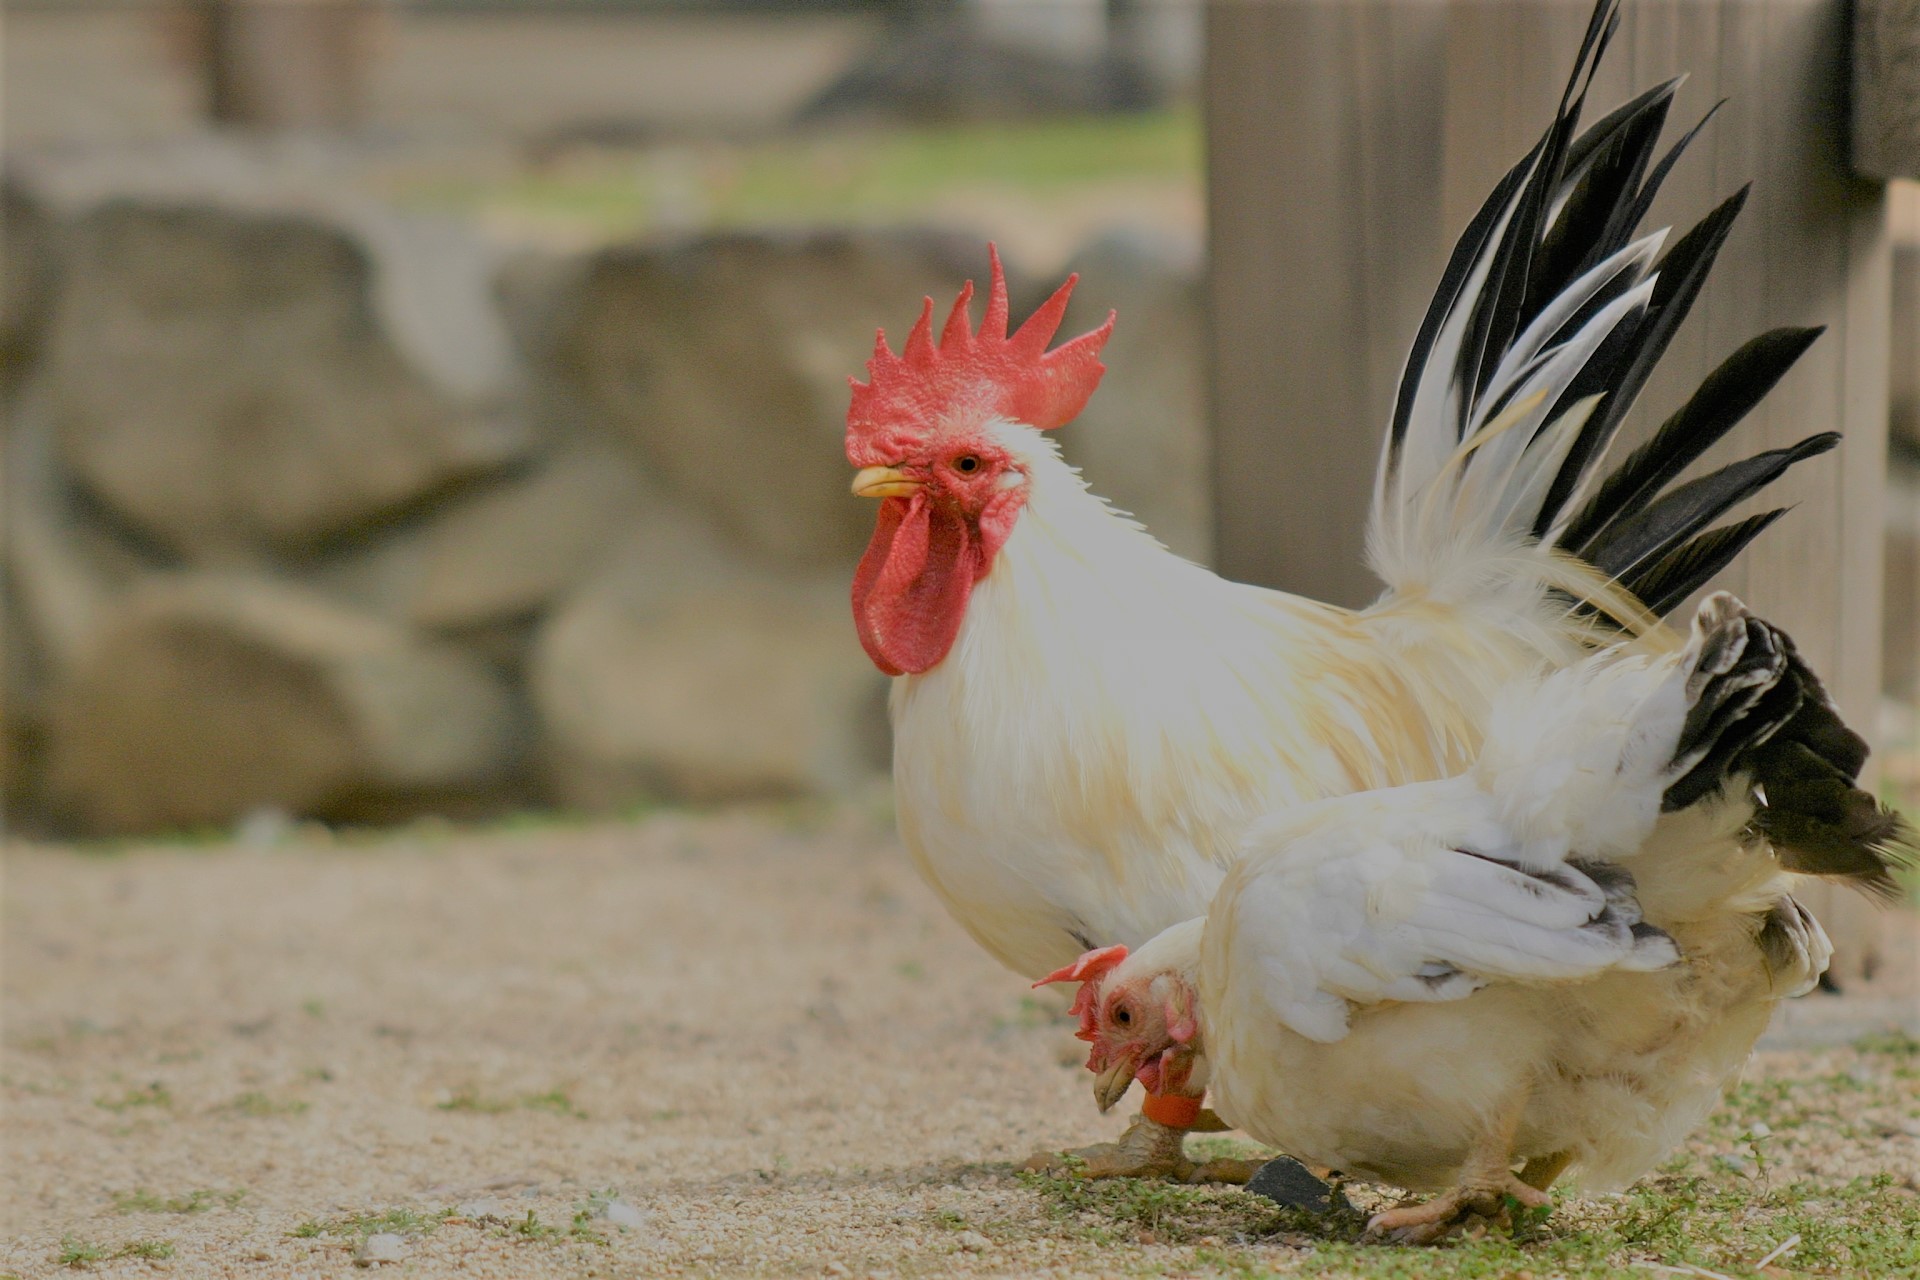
884, 482
1112, 1084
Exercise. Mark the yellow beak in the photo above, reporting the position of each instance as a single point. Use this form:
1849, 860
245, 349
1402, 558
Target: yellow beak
884, 482
1112, 1084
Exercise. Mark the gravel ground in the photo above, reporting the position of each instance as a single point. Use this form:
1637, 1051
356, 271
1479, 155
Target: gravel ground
719, 1045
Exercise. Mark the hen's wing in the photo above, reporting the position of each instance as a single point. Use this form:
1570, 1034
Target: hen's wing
1416, 894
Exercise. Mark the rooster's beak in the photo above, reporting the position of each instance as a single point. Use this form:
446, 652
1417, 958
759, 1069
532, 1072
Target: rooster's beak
1112, 1084
884, 482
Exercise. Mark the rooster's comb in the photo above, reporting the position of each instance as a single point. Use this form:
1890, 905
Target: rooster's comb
977, 372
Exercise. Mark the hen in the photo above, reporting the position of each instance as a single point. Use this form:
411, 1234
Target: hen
1561, 956
1085, 724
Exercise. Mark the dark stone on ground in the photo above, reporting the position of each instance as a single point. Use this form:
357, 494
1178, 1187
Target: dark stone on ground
1286, 1181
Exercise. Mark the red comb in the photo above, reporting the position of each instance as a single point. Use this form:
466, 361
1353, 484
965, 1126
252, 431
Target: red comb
1087, 971
983, 371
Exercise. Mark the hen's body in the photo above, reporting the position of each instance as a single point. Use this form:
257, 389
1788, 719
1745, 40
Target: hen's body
1561, 956
1610, 1073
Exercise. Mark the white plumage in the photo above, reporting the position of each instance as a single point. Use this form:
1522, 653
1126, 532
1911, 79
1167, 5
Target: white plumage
1085, 725
1548, 958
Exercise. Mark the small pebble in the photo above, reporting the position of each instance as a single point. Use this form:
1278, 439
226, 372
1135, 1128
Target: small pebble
383, 1246
837, 1269
974, 1242
618, 1213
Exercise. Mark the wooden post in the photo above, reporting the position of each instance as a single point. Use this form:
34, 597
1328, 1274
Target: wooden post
284, 64
1324, 126
1304, 274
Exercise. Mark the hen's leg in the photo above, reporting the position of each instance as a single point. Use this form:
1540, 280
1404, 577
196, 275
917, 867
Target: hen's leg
1542, 1172
1146, 1150
1486, 1180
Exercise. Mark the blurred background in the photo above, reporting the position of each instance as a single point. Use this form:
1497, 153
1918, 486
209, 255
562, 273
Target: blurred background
434, 406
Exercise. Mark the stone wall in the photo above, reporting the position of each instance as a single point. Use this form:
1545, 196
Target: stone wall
319, 508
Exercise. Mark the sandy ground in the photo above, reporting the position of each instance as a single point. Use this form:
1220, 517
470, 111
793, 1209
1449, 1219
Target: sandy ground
759, 1034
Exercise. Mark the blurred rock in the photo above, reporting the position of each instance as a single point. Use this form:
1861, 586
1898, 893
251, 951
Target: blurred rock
618, 1213
380, 1248
22, 715
502, 552
207, 696
234, 381
939, 63
62, 566
58, 573
727, 686
1143, 439
28, 266
725, 360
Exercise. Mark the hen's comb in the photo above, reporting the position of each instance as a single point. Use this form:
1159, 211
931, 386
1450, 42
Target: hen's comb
972, 374
1087, 971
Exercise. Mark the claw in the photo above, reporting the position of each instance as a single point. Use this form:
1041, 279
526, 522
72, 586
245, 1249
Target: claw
1438, 1218
1145, 1150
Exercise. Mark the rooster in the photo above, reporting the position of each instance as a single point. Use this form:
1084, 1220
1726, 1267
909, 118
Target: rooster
1561, 956
1086, 724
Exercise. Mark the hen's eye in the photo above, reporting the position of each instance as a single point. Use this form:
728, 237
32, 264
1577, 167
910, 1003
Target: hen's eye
1123, 1016
967, 463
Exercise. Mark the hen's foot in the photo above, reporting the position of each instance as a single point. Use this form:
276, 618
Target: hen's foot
1434, 1220
1145, 1150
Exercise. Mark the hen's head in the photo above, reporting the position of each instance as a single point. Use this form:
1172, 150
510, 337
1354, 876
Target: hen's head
1139, 1019
924, 432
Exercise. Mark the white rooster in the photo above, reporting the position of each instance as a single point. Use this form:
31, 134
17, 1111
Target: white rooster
1085, 724
1561, 956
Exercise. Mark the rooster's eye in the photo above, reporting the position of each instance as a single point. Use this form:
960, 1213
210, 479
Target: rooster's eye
967, 463
1123, 1016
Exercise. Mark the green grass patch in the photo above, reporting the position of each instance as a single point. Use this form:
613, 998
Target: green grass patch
141, 1200
826, 178
556, 1101
1894, 1042
1118, 1210
255, 1103
1865, 1227
78, 1254
582, 1228
150, 1095
358, 1226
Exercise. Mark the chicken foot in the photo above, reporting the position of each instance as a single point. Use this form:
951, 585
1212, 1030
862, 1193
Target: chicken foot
1487, 1182
1147, 1149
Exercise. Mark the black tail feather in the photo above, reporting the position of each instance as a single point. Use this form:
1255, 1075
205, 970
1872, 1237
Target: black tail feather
1683, 273
1663, 586
1728, 394
1669, 522
1761, 716
1571, 206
